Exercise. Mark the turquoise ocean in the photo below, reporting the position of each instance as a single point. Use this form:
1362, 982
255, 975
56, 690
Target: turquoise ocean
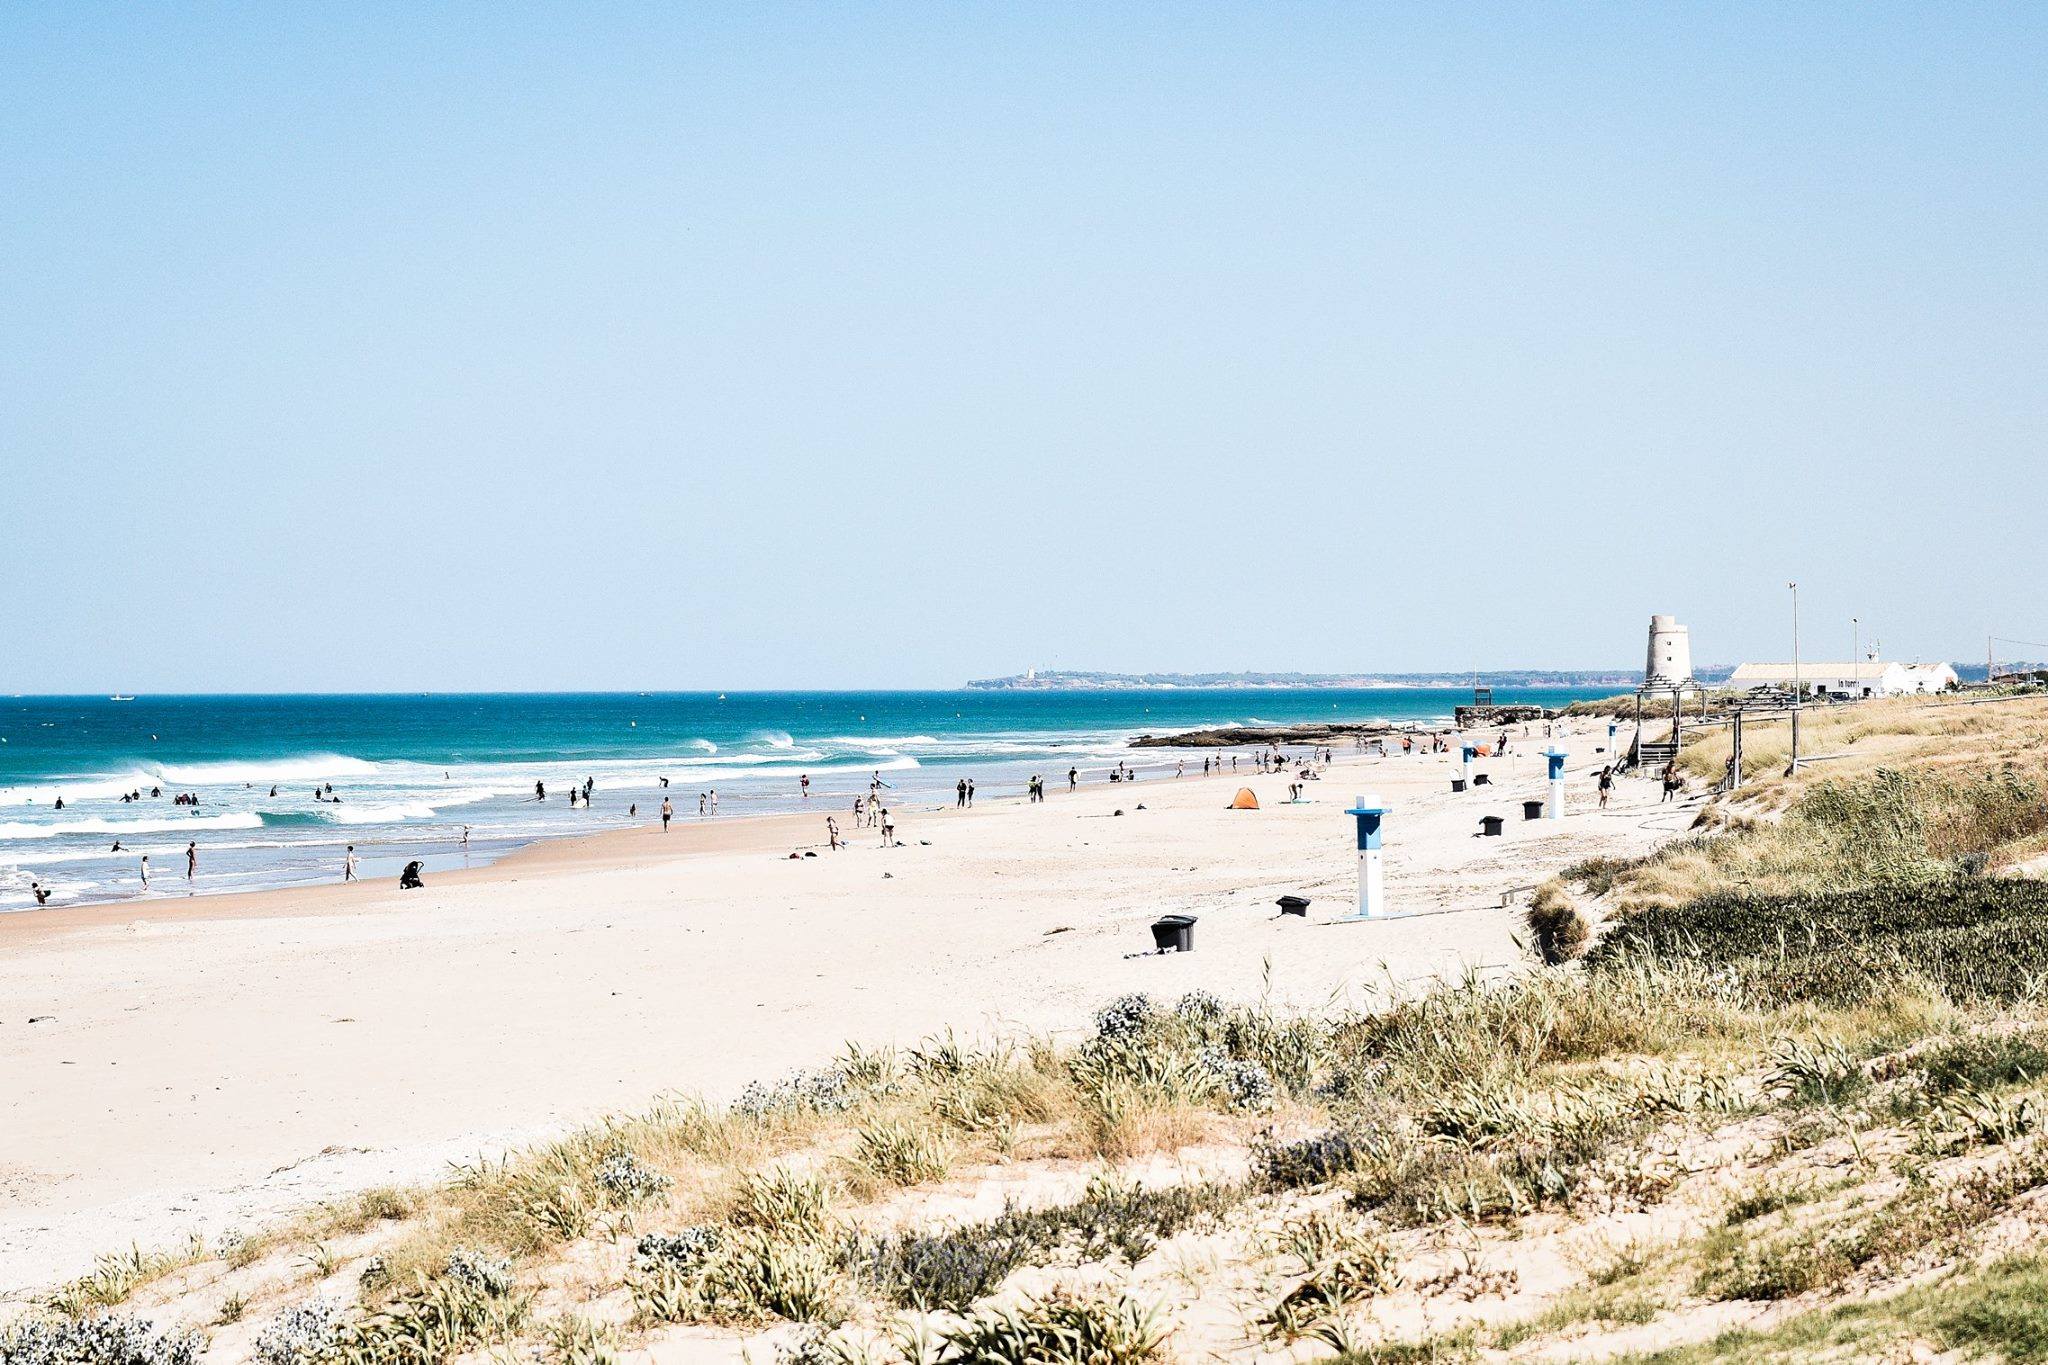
412, 772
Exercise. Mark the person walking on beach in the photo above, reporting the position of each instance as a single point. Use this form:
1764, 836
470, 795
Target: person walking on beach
803, 783
874, 805
1606, 785
1673, 783
191, 859
667, 813
348, 864
540, 791
700, 805
832, 832
465, 841
960, 794
1073, 776
970, 791
145, 872
714, 800
888, 827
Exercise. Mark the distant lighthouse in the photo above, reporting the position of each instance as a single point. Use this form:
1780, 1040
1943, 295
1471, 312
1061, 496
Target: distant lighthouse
1669, 663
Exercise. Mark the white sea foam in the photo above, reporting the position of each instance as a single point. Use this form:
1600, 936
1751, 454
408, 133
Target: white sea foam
16, 829
263, 772
380, 813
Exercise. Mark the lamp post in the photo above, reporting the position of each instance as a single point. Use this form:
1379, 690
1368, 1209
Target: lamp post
1856, 654
1797, 689
1368, 811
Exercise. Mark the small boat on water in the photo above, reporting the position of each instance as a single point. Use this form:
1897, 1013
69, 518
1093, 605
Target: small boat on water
117, 698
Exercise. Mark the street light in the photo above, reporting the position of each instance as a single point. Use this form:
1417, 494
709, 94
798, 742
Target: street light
1796, 687
1856, 654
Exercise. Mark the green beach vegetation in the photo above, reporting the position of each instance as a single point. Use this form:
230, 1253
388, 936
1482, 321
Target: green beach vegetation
1775, 1091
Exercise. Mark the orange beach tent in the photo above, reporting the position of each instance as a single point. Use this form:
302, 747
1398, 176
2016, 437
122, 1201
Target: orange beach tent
1244, 800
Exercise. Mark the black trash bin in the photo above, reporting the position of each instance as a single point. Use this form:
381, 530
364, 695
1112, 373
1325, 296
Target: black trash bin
1457, 784
1482, 780
1532, 810
1174, 933
1489, 825
1294, 905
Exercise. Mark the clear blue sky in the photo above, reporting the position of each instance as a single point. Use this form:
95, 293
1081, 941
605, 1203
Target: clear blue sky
497, 346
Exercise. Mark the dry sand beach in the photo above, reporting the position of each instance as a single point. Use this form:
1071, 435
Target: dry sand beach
220, 1061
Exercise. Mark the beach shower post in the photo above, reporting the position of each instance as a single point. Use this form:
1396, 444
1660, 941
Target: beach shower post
1367, 810
1466, 753
1556, 757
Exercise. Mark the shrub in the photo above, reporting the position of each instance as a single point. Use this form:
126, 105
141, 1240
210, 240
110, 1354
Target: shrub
1977, 940
301, 1334
1314, 1160
624, 1179
951, 1269
1558, 928
1981, 1062
1125, 1018
780, 1258
437, 1319
479, 1273
678, 1249
1062, 1328
895, 1154
1245, 1086
825, 1091
96, 1339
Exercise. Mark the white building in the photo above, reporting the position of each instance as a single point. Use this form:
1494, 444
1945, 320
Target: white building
1871, 678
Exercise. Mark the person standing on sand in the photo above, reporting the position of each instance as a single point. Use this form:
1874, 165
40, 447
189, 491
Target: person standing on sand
970, 792
888, 827
874, 806
1180, 769
1672, 781
667, 813
960, 794
348, 864
832, 832
700, 805
1606, 785
1073, 775
714, 800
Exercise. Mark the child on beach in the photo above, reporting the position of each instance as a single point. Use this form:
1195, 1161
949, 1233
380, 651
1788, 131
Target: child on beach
888, 827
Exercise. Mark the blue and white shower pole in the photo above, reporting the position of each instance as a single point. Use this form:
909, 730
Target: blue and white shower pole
1466, 753
1556, 757
1371, 885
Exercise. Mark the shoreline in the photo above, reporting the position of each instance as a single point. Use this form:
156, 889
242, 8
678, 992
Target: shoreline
223, 1060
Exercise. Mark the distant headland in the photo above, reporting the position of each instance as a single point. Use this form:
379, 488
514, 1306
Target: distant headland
1087, 680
